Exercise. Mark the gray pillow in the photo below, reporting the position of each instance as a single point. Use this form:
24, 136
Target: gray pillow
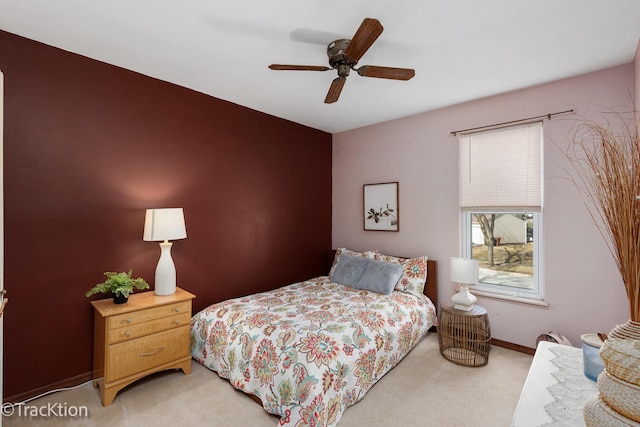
380, 277
349, 270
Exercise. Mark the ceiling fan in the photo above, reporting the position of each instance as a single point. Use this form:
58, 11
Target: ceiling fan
344, 55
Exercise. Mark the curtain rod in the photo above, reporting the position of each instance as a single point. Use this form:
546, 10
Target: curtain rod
546, 116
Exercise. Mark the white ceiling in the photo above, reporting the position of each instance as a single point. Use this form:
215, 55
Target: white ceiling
461, 49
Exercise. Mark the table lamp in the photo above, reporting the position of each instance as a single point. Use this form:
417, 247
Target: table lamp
464, 271
163, 225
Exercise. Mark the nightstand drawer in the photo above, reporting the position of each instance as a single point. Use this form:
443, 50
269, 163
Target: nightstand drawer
141, 316
132, 357
137, 330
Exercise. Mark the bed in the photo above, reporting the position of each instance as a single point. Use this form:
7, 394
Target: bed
309, 350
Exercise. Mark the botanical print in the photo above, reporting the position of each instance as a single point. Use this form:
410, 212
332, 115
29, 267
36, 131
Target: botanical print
381, 207
311, 349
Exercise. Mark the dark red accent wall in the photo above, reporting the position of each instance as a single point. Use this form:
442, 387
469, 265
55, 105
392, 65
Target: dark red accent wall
88, 147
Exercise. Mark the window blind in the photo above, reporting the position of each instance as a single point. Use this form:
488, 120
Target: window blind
501, 169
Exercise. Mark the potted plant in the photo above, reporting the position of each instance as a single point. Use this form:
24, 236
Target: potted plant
606, 165
120, 285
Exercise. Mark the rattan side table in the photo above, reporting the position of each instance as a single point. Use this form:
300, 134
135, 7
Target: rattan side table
464, 336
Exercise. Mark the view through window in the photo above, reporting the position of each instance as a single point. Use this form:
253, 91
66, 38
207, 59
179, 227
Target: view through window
504, 245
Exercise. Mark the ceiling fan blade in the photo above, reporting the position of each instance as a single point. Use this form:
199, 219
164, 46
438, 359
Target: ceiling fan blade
369, 31
299, 67
386, 72
334, 90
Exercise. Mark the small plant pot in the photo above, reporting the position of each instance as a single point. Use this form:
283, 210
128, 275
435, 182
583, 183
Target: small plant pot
120, 299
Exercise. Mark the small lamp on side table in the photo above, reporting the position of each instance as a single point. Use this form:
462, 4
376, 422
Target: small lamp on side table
464, 271
163, 225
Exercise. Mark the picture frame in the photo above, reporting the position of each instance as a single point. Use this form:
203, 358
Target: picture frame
381, 204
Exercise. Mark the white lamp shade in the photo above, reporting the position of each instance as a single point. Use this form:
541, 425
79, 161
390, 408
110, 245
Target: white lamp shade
464, 270
164, 224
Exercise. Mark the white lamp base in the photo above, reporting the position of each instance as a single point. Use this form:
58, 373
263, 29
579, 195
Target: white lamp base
165, 271
464, 299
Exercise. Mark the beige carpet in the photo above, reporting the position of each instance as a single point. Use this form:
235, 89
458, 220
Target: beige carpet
423, 390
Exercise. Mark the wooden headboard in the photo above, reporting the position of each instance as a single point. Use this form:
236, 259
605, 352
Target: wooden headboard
430, 288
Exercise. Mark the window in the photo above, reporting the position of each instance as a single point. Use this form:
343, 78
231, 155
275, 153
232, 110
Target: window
501, 204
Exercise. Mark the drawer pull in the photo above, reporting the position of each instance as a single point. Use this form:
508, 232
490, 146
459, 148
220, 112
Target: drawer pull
127, 334
177, 322
151, 353
177, 309
128, 320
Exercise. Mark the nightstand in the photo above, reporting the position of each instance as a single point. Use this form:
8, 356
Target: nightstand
464, 336
148, 334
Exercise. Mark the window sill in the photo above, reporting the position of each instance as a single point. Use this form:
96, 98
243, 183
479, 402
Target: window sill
510, 298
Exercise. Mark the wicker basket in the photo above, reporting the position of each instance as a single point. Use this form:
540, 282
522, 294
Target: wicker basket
598, 414
622, 359
621, 396
629, 330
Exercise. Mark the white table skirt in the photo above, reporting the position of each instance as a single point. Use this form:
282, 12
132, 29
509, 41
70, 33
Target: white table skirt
556, 388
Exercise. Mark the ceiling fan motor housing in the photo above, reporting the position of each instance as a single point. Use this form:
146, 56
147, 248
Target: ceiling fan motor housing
337, 58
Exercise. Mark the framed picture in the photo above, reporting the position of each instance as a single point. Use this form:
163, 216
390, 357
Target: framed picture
381, 207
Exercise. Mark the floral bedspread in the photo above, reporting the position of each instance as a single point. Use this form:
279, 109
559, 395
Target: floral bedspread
311, 349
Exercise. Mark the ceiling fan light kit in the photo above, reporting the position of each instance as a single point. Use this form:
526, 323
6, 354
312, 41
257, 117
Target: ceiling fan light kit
344, 55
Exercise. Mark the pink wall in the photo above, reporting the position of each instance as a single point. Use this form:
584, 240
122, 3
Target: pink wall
636, 78
583, 289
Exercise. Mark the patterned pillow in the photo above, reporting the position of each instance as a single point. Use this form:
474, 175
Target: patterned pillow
414, 275
340, 251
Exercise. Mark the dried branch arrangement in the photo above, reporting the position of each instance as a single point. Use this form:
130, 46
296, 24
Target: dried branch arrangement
606, 161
